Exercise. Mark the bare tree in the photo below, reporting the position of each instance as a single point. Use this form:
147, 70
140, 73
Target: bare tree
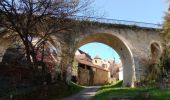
34, 21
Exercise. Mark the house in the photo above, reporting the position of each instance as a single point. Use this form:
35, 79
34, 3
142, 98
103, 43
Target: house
99, 62
121, 73
89, 73
116, 70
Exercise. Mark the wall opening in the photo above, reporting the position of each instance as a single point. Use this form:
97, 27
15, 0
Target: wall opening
120, 47
155, 51
102, 59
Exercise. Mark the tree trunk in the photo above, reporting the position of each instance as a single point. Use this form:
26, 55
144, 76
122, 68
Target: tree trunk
66, 68
27, 48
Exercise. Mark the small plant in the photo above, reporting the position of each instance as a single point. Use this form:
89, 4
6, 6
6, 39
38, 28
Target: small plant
154, 74
143, 96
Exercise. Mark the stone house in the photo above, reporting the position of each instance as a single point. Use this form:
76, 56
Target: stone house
102, 63
88, 73
116, 70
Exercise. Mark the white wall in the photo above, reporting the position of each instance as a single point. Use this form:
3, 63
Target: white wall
121, 73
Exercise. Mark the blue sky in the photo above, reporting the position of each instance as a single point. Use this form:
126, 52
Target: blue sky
100, 49
150, 11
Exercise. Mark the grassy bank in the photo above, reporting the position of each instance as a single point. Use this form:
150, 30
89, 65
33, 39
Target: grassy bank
116, 91
43, 92
71, 89
74, 88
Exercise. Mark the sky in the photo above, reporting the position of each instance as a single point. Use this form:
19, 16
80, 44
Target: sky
149, 11
99, 49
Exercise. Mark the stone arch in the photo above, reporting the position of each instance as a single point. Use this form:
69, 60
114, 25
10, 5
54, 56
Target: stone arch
4, 44
156, 51
120, 47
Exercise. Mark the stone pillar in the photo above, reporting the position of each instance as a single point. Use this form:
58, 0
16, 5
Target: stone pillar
68, 73
2, 51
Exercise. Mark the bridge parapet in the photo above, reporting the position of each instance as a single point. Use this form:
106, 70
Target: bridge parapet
116, 21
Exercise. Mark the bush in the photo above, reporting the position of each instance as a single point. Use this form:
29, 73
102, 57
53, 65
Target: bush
74, 79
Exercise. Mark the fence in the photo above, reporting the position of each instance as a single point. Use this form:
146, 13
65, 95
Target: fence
116, 21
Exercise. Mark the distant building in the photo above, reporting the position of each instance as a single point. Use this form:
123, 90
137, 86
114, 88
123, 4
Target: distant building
116, 70
121, 73
102, 63
88, 73
96, 71
97, 61
82, 55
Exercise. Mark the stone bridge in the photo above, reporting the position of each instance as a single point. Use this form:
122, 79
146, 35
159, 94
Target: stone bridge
136, 45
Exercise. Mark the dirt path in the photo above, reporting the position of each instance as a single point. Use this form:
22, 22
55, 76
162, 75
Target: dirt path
85, 94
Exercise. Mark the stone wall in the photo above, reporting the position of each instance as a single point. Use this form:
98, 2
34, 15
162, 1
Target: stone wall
101, 77
83, 76
133, 44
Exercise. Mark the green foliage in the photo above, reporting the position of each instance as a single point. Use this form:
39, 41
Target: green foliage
42, 92
72, 89
154, 71
107, 25
115, 84
75, 66
166, 37
166, 63
166, 28
118, 92
146, 83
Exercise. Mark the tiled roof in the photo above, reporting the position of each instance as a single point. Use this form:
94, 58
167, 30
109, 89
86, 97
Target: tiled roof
97, 57
85, 62
87, 55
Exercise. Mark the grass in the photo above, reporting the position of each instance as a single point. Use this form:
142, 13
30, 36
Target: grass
74, 88
65, 92
116, 91
55, 91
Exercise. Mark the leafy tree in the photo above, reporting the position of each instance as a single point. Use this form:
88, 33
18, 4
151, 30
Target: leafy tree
166, 41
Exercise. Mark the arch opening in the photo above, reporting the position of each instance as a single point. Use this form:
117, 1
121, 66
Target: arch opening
156, 51
102, 60
120, 47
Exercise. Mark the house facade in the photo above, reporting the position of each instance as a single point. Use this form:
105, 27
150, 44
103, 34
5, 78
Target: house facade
102, 63
89, 73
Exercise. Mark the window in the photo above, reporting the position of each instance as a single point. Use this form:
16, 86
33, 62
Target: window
103, 65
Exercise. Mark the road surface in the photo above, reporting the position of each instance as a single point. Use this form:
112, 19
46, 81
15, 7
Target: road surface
85, 94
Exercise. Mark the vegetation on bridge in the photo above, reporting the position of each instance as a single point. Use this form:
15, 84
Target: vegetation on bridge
118, 25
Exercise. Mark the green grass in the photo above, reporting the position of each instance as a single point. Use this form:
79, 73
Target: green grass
116, 91
46, 92
73, 88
